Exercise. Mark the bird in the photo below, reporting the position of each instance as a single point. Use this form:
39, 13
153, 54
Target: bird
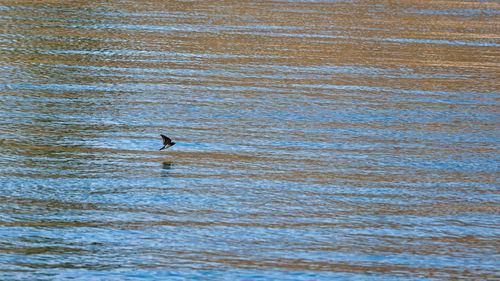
167, 142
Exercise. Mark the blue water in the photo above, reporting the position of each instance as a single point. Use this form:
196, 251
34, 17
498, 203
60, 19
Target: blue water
314, 141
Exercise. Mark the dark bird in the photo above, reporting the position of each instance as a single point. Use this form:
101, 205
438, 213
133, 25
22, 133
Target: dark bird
167, 142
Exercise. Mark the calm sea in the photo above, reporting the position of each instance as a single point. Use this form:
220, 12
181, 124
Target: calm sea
315, 140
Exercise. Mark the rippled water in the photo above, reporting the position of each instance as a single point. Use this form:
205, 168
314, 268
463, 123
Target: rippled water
315, 140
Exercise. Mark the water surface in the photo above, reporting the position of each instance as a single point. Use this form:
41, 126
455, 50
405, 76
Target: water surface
315, 140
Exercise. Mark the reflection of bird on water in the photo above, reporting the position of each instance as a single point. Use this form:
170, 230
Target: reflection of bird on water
167, 142
166, 169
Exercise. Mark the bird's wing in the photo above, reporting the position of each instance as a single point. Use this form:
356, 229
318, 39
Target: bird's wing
166, 140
